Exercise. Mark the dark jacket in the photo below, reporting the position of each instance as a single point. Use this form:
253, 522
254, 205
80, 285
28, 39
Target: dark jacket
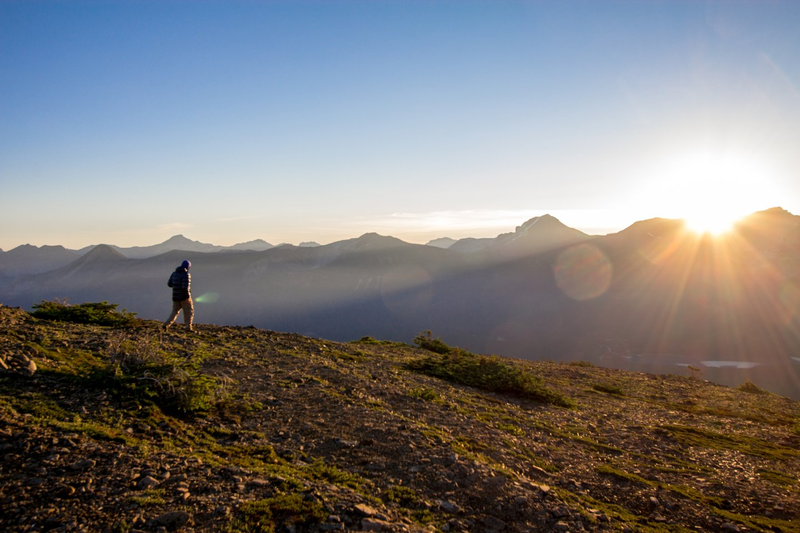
181, 283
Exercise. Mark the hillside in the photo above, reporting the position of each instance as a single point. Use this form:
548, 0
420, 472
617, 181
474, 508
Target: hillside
241, 429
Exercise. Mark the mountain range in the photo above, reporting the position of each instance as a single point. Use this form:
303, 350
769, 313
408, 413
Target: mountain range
654, 297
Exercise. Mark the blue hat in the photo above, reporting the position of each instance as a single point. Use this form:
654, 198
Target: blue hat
186, 264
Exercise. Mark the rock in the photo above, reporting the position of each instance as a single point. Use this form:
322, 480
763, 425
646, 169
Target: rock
448, 506
31, 368
561, 526
729, 526
494, 523
64, 491
374, 524
365, 510
171, 520
84, 464
147, 482
560, 512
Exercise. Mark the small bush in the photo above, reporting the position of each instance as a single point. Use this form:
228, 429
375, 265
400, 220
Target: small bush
426, 341
373, 341
429, 395
402, 495
484, 372
608, 389
752, 388
99, 313
141, 369
287, 510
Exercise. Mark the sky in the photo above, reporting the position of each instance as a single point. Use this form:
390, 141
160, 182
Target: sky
128, 122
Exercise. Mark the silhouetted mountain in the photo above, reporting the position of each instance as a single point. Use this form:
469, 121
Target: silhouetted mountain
443, 242
534, 236
258, 245
537, 235
177, 242
27, 259
471, 244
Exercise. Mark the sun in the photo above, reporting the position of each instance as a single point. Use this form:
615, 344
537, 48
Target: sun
711, 191
712, 223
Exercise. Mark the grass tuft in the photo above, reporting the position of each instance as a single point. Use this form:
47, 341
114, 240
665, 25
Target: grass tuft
484, 372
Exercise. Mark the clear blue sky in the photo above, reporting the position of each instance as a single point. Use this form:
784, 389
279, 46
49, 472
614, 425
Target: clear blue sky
129, 122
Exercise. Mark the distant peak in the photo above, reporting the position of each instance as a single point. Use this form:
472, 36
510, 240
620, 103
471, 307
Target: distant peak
177, 238
774, 211
103, 252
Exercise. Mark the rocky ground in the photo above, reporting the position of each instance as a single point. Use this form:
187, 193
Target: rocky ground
262, 431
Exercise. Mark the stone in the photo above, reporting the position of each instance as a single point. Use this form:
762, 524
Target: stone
365, 510
84, 464
560, 512
373, 524
448, 506
31, 368
494, 523
64, 491
172, 519
147, 482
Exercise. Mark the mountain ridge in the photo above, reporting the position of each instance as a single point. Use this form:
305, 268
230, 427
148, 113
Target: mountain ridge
294, 432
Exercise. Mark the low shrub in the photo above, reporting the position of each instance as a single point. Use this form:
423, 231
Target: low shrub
429, 395
752, 388
484, 372
283, 512
98, 313
142, 370
426, 341
608, 389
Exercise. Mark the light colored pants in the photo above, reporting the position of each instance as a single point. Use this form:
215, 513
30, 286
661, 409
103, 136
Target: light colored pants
188, 312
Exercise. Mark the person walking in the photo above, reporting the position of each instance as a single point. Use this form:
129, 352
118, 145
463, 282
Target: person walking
181, 283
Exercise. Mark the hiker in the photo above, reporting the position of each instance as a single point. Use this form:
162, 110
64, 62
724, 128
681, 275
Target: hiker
181, 283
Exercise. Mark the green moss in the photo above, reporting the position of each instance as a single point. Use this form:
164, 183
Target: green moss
692, 436
330, 473
512, 429
283, 510
426, 394
619, 514
149, 498
608, 389
779, 478
402, 495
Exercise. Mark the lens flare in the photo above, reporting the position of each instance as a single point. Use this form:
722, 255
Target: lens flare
207, 298
583, 272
